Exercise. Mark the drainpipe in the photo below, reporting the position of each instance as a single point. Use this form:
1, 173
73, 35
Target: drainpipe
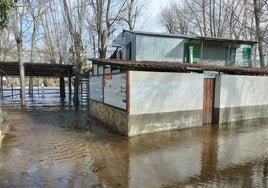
202, 50
191, 54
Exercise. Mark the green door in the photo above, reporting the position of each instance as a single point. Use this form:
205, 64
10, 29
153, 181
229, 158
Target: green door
196, 52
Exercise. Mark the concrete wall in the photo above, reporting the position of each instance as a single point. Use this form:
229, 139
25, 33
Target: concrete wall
240, 97
159, 92
156, 48
164, 101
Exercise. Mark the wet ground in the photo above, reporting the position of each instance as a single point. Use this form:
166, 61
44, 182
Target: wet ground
59, 146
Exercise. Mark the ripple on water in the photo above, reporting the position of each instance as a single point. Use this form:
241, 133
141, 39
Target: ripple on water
48, 148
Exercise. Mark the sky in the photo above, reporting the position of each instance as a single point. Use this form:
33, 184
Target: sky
151, 22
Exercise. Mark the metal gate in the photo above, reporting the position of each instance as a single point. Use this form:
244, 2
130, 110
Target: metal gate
208, 100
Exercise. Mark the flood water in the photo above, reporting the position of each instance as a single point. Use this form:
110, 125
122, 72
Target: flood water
59, 146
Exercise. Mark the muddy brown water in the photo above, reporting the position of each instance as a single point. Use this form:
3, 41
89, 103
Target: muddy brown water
63, 147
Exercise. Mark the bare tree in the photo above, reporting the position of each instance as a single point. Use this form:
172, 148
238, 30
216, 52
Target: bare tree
134, 10
106, 15
35, 10
259, 5
213, 18
74, 17
174, 19
17, 17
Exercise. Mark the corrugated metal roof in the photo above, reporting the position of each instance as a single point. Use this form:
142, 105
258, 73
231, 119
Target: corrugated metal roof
178, 67
36, 69
202, 38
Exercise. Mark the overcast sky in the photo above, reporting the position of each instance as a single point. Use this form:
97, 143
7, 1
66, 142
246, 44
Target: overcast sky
152, 20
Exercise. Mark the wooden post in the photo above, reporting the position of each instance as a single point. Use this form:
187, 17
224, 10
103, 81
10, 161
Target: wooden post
208, 100
62, 88
70, 85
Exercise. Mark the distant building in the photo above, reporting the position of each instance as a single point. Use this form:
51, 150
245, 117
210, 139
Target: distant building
146, 46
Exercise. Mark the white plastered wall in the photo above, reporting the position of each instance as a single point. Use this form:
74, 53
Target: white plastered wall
159, 92
238, 91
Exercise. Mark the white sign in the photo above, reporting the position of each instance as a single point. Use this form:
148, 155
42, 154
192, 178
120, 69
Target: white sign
96, 90
210, 74
115, 90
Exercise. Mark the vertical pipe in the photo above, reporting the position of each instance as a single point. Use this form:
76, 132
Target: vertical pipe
191, 54
202, 50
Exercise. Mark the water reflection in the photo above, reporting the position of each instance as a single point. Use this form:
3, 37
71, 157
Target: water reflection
62, 147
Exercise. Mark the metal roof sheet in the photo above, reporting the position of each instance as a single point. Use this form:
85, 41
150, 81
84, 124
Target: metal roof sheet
202, 38
178, 67
36, 69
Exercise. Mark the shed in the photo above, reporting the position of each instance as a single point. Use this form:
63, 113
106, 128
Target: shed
138, 97
148, 46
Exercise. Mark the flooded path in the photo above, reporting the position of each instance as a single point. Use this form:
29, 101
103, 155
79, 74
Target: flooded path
62, 147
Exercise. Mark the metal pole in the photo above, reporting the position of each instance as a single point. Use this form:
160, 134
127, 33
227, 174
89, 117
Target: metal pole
69, 85
2, 89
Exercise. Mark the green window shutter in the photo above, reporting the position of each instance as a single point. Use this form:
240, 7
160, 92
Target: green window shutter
196, 52
246, 53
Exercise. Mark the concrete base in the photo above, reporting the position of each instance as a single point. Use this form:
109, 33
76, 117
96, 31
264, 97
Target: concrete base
157, 122
131, 125
114, 118
227, 115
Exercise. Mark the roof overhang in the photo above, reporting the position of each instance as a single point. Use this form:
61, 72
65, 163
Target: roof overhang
36, 69
178, 67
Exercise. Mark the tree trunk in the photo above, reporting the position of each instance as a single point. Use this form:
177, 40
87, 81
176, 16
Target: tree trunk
22, 74
33, 42
257, 13
78, 50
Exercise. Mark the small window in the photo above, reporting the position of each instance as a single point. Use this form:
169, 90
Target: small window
230, 56
128, 51
246, 53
